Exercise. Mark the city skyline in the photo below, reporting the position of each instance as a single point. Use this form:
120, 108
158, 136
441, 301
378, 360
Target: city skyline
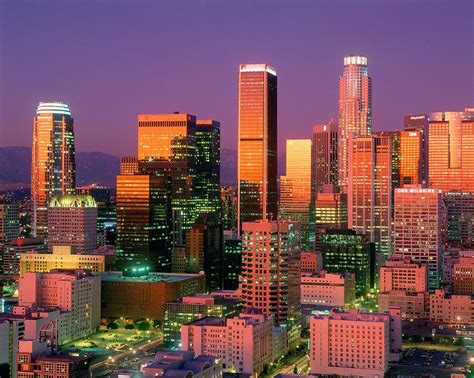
402, 64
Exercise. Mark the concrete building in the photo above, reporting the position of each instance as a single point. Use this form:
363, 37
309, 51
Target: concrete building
446, 308
182, 364
413, 305
142, 295
402, 274
244, 343
62, 257
15, 249
55, 366
463, 276
419, 220
311, 261
75, 292
328, 289
72, 220
354, 343
190, 308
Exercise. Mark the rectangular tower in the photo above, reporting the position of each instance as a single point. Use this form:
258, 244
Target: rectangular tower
324, 156
257, 144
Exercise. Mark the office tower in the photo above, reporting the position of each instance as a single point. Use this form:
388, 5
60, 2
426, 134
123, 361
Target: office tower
167, 148
324, 156
330, 211
345, 251
144, 221
129, 165
271, 270
355, 343
15, 248
72, 221
204, 249
228, 208
403, 274
411, 158
419, 122
295, 188
451, 160
460, 218
232, 260
53, 163
60, 258
395, 156
188, 309
417, 228
244, 342
355, 110
74, 292
9, 226
463, 276
328, 290
208, 166
370, 190
257, 145
311, 262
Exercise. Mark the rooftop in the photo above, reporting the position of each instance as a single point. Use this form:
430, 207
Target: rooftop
151, 277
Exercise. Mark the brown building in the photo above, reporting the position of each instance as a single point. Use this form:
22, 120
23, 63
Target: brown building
143, 296
56, 366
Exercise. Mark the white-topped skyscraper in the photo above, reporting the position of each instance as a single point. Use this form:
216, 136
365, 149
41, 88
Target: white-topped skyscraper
53, 163
355, 109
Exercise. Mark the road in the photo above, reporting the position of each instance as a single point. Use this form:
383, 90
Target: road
301, 363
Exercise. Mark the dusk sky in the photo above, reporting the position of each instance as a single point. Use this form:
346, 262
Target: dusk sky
110, 60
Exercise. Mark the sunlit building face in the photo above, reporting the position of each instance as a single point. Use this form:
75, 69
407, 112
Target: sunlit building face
257, 144
411, 157
53, 166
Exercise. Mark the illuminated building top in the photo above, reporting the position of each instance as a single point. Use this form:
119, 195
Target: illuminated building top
257, 68
355, 59
73, 201
53, 107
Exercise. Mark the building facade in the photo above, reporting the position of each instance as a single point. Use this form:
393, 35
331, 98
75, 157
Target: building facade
418, 123
446, 308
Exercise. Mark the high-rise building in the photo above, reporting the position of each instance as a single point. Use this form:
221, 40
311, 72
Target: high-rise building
411, 158
417, 123
208, 166
451, 160
167, 148
9, 222
370, 190
257, 144
228, 208
324, 156
129, 165
53, 162
460, 218
402, 274
345, 251
295, 188
232, 260
330, 211
15, 248
418, 226
72, 221
354, 343
144, 221
355, 110
271, 270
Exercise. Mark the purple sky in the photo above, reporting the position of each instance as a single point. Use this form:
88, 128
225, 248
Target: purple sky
111, 60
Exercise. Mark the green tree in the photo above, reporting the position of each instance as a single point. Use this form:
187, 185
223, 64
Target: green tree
129, 326
459, 341
144, 326
112, 325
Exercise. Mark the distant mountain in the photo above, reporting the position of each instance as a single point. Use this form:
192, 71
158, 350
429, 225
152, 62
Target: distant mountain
91, 167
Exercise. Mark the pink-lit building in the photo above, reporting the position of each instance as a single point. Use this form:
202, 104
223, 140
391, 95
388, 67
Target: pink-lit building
450, 258
463, 276
324, 156
413, 305
56, 366
419, 221
402, 274
353, 343
355, 110
446, 308
75, 292
328, 289
369, 191
311, 261
244, 343
270, 276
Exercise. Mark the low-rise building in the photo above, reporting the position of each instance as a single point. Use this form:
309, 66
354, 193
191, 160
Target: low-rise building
311, 261
143, 296
55, 366
187, 309
15, 248
244, 343
412, 305
463, 276
353, 343
328, 289
403, 274
446, 308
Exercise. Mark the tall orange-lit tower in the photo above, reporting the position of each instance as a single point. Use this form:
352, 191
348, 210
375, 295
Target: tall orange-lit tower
257, 144
355, 109
411, 158
53, 163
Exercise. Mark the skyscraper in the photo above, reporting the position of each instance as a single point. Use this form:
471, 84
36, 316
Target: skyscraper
144, 221
460, 218
370, 190
419, 122
355, 109
295, 187
257, 144
53, 164
417, 228
208, 165
451, 158
271, 270
411, 158
324, 156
